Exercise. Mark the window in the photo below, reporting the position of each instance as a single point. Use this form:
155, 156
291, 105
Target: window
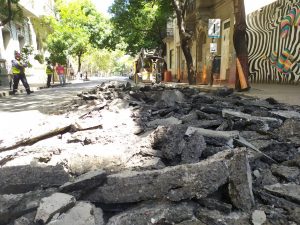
6, 38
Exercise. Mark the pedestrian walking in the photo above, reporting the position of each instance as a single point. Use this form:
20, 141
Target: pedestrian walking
60, 70
72, 73
49, 72
18, 71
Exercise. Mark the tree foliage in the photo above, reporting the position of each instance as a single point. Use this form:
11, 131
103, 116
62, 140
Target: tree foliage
139, 23
106, 61
9, 10
142, 24
78, 27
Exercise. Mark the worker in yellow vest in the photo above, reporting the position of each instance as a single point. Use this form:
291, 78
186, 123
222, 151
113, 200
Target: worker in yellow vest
18, 71
49, 72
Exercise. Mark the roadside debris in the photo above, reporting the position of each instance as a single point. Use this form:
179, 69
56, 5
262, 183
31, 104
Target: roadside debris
141, 155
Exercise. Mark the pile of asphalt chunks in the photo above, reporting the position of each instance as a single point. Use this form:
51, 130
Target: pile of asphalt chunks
225, 159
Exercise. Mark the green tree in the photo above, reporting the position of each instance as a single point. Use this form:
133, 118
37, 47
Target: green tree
10, 10
78, 28
139, 23
107, 61
142, 24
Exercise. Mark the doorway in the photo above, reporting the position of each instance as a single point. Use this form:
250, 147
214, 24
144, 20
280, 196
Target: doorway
225, 48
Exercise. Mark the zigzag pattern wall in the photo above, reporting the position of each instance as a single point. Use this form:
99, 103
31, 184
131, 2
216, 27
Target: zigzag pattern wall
274, 42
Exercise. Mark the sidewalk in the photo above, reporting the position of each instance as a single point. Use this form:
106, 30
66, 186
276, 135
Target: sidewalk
288, 94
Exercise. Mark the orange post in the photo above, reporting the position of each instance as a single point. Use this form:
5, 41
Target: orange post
243, 81
204, 74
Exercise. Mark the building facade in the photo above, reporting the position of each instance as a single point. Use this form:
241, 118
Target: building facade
214, 55
29, 32
199, 13
274, 43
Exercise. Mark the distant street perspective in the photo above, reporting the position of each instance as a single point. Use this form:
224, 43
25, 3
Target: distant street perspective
171, 112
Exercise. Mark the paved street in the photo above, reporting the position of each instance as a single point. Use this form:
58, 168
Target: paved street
47, 97
23, 113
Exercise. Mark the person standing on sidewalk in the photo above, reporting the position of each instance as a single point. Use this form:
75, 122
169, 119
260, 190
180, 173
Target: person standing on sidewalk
18, 71
60, 70
49, 72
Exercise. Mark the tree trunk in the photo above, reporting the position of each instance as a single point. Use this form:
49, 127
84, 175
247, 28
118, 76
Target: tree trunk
79, 62
240, 41
185, 37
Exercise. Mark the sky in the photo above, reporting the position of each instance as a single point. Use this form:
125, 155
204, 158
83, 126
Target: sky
252, 5
102, 5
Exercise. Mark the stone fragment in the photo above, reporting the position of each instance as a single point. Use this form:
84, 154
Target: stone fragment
289, 191
173, 183
81, 214
269, 122
171, 97
14, 206
240, 182
164, 122
266, 178
258, 217
214, 217
220, 137
256, 173
192, 148
56, 203
21, 179
287, 114
154, 213
295, 162
290, 130
288, 173
189, 117
271, 199
85, 182
191, 222
214, 204
22, 221
167, 140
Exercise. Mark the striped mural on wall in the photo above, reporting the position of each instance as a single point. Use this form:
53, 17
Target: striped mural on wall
274, 43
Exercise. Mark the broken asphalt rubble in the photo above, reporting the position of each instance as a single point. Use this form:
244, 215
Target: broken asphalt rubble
180, 156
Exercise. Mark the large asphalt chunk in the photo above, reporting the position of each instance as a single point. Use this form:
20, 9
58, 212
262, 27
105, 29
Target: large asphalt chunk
240, 182
82, 213
290, 130
173, 183
21, 179
289, 191
192, 148
85, 182
56, 203
155, 213
214, 217
15, 205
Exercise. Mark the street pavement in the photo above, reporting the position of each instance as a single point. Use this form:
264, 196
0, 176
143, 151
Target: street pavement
21, 114
45, 97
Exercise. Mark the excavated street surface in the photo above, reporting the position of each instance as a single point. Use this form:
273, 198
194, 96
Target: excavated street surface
123, 155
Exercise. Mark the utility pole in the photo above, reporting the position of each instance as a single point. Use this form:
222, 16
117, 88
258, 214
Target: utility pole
241, 46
